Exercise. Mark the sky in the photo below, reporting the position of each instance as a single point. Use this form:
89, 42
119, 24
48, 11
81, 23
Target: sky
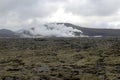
17, 14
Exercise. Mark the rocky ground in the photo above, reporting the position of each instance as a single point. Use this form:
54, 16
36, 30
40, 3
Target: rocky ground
60, 59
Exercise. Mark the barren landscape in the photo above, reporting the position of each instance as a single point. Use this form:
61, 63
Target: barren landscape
60, 58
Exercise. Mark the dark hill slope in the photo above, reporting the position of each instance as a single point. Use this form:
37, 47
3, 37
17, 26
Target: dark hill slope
94, 31
7, 33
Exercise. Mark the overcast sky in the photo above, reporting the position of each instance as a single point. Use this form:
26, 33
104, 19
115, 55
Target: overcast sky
15, 14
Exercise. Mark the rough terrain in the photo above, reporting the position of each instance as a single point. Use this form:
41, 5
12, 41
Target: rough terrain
60, 59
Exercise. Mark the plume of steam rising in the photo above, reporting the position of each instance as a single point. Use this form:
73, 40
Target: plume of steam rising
49, 30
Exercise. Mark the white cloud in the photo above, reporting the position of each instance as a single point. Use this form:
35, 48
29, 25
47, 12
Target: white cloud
15, 14
19, 12
93, 7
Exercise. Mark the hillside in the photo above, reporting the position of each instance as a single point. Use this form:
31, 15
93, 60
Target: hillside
59, 30
7, 33
94, 31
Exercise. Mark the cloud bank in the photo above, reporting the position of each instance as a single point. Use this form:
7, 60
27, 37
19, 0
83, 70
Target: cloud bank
16, 14
93, 7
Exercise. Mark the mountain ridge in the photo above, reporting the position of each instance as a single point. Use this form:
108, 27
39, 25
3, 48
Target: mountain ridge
7, 33
96, 31
59, 30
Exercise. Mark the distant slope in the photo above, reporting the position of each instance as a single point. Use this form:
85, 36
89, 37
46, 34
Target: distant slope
7, 33
59, 30
94, 31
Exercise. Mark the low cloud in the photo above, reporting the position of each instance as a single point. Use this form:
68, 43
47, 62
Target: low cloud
28, 8
19, 12
93, 7
16, 14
